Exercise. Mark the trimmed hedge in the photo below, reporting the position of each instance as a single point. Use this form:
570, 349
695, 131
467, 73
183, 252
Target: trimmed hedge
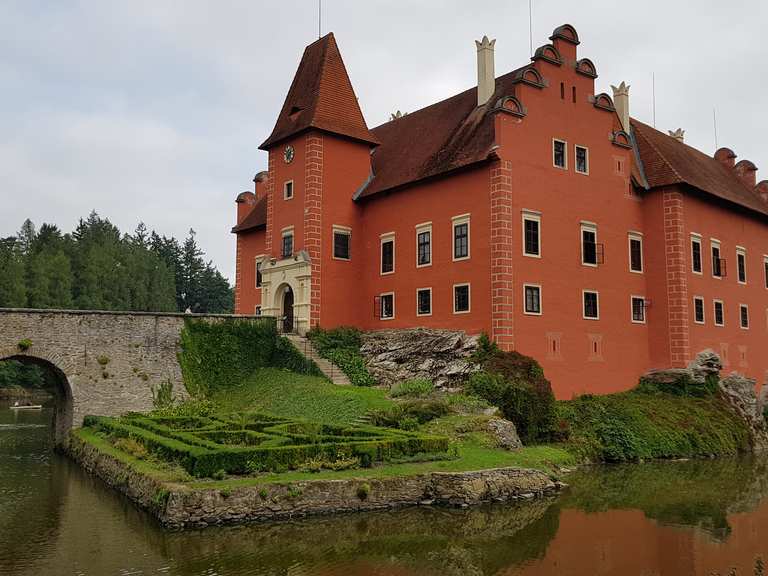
232, 446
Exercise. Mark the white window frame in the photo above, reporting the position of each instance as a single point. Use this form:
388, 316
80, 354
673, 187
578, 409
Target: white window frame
420, 229
565, 154
583, 307
381, 306
703, 310
533, 216
469, 298
458, 221
591, 227
347, 231
260, 259
425, 289
576, 159
287, 231
714, 243
285, 190
384, 238
632, 299
541, 300
715, 302
741, 251
696, 239
639, 237
741, 324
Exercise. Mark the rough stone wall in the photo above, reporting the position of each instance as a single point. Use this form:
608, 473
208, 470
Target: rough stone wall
441, 356
180, 507
108, 362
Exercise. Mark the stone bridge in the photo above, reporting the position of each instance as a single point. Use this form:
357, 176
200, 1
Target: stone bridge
105, 363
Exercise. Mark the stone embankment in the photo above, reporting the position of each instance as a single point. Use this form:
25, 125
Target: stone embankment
441, 356
179, 506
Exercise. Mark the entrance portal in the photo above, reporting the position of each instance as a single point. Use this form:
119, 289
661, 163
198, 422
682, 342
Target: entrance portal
288, 310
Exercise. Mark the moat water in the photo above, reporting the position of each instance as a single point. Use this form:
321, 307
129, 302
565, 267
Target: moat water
671, 518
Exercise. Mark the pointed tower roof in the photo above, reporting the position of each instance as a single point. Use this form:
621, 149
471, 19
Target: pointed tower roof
321, 96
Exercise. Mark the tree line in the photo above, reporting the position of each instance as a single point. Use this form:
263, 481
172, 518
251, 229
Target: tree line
96, 267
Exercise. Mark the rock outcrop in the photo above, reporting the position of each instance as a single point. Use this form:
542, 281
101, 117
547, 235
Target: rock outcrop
739, 392
441, 356
505, 433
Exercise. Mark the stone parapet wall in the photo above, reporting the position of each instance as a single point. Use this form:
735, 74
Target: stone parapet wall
178, 506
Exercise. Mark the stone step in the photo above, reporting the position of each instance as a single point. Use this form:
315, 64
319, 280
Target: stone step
332, 372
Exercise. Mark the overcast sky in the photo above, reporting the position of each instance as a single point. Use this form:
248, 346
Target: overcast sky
153, 110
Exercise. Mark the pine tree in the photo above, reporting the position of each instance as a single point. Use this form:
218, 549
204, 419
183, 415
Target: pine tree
13, 291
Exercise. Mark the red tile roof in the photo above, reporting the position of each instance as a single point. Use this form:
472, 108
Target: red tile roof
321, 96
256, 218
667, 161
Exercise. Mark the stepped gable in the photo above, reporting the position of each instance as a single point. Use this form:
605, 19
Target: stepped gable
667, 161
321, 97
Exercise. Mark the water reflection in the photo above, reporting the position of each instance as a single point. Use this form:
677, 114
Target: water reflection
660, 518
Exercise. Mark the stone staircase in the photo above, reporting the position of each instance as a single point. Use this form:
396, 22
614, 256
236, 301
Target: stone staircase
327, 367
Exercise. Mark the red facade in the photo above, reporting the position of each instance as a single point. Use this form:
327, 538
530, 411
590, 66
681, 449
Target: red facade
544, 217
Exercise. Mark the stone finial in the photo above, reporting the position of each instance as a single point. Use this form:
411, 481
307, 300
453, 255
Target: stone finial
486, 74
397, 115
621, 103
678, 134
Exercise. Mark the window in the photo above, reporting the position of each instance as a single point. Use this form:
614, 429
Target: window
638, 309
288, 190
698, 309
559, 158
532, 296
460, 298
744, 316
424, 302
582, 160
719, 315
765, 269
696, 254
635, 252
287, 249
591, 309
741, 265
423, 245
460, 237
387, 254
257, 311
258, 271
717, 262
573, 94
387, 304
341, 243
589, 244
531, 234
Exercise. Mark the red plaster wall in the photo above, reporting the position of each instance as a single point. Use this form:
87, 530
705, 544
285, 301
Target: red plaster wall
249, 246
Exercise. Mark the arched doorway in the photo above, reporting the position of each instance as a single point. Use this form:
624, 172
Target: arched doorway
287, 309
58, 386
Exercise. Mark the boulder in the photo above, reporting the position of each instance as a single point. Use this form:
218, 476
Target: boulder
739, 392
706, 363
505, 433
440, 356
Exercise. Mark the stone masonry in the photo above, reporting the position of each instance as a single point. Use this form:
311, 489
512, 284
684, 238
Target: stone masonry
108, 362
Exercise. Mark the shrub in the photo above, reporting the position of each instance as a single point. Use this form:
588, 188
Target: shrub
132, 447
411, 389
342, 347
363, 491
516, 384
408, 415
25, 344
681, 384
162, 395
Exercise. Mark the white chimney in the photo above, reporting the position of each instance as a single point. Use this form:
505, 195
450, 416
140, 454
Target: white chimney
621, 102
486, 76
678, 134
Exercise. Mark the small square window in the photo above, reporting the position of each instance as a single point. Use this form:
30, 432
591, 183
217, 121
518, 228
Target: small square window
288, 190
460, 298
698, 310
532, 294
558, 154
341, 244
387, 303
531, 235
744, 315
635, 253
582, 160
423, 247
287, 250
696, 255
638, 309
719, 313
423, 301
387, 255
460, 239
741, 266
591, 306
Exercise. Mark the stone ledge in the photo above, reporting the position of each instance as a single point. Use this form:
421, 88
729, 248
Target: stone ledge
123, 313
178, 506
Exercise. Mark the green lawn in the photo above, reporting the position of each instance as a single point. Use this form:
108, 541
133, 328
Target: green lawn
283, 393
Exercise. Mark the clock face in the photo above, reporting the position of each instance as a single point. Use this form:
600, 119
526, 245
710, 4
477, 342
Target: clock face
288, 154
